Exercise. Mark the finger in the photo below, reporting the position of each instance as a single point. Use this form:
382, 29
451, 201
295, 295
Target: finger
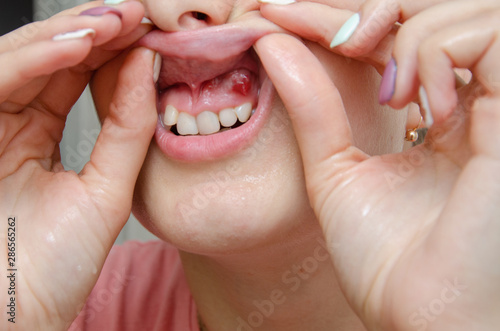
473, 226
108, 22
473, 45
29, 59
39, 59
414, 119
376, 18
320, 22
51, 58
132, 14
126, 133
414, 32
45, 30
313, 102
131, 31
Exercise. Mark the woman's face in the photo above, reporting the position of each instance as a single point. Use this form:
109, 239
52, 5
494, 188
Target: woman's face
241, 187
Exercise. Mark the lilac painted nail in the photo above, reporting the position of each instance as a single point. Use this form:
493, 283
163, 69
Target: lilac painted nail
99, 11
388, 83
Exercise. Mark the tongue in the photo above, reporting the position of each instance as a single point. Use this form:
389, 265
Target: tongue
228, 90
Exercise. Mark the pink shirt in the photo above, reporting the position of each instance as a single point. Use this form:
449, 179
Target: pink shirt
142, 287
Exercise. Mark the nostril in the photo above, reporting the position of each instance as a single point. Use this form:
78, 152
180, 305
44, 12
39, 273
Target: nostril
194, 20
189, 14
200, 16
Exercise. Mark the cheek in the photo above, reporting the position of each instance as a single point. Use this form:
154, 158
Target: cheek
230, 204
376, 129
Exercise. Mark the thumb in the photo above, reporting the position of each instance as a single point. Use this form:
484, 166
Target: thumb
125, 136
312, 100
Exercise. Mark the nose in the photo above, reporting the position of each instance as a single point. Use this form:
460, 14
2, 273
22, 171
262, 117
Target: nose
175, 15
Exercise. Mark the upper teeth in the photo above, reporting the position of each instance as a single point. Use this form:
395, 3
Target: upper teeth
206, 122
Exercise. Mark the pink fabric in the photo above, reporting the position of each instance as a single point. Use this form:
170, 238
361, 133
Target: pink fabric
142, 287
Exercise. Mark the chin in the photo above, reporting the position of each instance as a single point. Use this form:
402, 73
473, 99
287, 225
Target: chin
223, 173
228, 205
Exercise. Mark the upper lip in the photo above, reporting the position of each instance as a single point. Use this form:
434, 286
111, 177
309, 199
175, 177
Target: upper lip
212, 44
195, 56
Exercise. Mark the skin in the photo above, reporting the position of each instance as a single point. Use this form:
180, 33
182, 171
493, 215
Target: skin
453, 240
390, 245
266, 177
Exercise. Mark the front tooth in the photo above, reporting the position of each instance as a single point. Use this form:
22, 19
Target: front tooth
243, 112
171, 115
208, 122
186, 124
227, 117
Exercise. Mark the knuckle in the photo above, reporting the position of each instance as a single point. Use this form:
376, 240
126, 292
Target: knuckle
356, 48
428, 49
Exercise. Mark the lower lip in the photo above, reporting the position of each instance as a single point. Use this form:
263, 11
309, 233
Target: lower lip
218, 145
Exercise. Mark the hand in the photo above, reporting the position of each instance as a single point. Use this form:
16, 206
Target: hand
65, 223
373, 38
414, 236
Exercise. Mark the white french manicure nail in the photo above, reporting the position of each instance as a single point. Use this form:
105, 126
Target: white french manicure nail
156, 67
113, 2
424, 103
146, 20
277, 2
345, 32
78, 34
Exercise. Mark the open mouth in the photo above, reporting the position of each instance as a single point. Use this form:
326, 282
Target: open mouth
200, 98
213, 96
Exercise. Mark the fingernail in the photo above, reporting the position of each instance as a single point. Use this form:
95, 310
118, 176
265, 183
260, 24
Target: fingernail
277, 2
146, 20
388, 83
425, 108
156, 67
99, 11
113, 2
345, 32
78, 34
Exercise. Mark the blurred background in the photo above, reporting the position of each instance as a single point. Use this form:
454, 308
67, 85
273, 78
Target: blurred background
82, 125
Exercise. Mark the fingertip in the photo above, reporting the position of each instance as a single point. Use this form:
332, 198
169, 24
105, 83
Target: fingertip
100, 11
128, 16
312, 100
365, 29
77, 34
346, 31
277, 2
439, 84
130, 123
400, 82
113, 2
388, 82
63, 51
136, 81
441, 104
425, 108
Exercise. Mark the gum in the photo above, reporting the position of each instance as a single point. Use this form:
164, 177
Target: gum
228, 90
